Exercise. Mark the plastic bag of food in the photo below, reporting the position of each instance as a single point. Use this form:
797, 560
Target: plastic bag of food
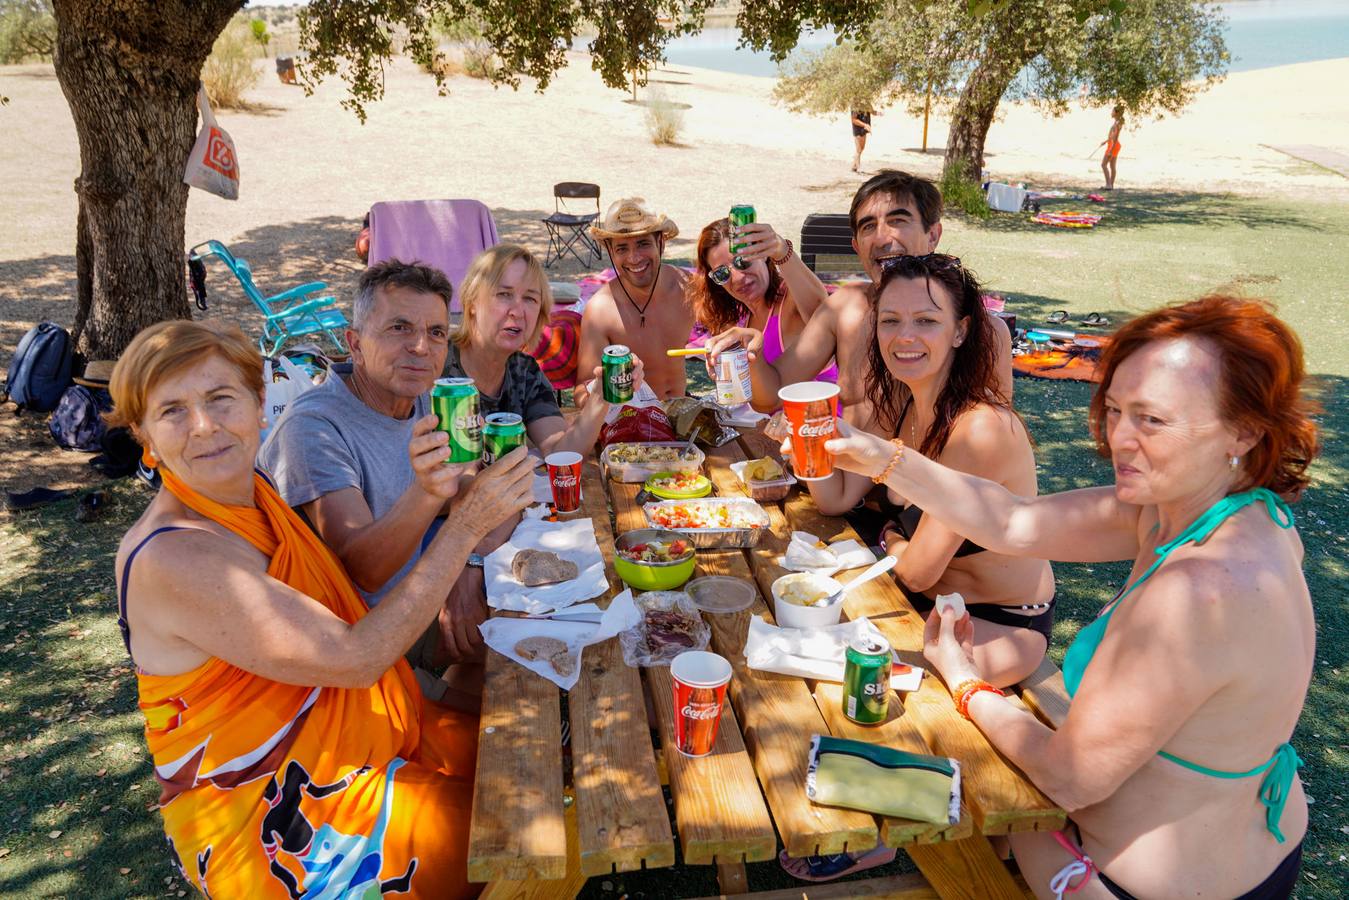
705, 416
670, 624
638, 425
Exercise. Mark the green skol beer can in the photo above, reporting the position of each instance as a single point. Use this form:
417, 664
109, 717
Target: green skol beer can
617, 363
741, 214
866, 680
455, 403
501, 433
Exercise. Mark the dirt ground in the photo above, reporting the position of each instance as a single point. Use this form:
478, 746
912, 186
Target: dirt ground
310, 170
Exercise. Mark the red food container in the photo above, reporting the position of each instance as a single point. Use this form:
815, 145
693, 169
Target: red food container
564, 474
700, 680
809, 408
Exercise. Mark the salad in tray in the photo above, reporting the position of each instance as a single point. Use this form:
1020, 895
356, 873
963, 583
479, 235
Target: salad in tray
698, 514
656, 551
649, 453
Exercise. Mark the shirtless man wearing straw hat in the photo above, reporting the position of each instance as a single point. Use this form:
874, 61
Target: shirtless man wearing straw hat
644, 306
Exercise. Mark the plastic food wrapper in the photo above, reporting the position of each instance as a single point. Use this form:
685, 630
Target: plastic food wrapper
502, 633
668, 623
817, 653
883, 780
637, 425
804, 556
704, 415
572, 540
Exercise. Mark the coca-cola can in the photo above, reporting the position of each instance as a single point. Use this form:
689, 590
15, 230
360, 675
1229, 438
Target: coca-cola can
809, 408
564, 475
700, 680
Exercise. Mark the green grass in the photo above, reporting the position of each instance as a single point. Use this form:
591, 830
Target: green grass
72, 757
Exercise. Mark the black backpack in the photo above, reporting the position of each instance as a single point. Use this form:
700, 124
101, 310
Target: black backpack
40, 370
78, 422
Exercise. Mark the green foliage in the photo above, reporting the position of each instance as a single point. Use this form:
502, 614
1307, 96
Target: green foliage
260, 32
664, 118
230, 69
467, 33
961, 190
27, 31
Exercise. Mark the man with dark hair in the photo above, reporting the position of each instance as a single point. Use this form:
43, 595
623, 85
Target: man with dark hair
893, 214
359, 459
644, 306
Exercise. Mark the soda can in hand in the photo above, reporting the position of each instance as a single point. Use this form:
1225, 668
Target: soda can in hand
809, 408
700, 679
564, 475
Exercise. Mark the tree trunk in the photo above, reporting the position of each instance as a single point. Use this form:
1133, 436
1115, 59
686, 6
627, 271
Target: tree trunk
130, 72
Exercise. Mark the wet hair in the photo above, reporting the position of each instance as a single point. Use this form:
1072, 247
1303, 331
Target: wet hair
973, 376
484, 276
1260, 374
926, 196
715, 306
413, 276
165, 349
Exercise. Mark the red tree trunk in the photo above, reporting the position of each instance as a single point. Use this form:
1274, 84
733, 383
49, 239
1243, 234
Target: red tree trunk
130, 72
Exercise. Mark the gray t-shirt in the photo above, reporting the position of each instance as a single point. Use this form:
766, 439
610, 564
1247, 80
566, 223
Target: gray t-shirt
328, 440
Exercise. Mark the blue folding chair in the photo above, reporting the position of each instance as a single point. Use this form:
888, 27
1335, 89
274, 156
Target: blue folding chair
289, 314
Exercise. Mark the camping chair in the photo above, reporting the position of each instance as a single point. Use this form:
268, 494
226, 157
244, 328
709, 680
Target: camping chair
289, 314
826, 234
567, 229
443, 234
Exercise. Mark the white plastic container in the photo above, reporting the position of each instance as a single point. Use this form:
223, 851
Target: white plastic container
637, 472
794, 615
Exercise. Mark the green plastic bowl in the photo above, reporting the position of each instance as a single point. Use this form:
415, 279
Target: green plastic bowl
702, 489
656, 576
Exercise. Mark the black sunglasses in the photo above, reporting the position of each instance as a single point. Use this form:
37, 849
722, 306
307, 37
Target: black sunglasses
720, 276
931, 262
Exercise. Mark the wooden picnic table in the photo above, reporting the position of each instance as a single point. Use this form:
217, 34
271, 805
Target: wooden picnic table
539, 829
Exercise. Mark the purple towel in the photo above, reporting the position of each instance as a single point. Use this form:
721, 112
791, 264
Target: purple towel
446, 234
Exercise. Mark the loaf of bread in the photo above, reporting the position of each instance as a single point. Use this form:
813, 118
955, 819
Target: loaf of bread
533, 568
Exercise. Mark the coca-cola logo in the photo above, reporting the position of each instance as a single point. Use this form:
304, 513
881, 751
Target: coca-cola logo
816, 428
564, 480
700, 710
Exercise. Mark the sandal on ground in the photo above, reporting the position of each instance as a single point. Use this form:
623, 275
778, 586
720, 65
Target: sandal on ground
1095, 318
91, 507
38, 496
836, 865
1057, 317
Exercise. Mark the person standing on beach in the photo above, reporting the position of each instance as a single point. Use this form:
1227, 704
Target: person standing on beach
1112, 148
861, 127
643, 307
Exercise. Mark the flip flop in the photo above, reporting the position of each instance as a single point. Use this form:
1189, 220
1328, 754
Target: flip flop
1057, 317
1095, 318
38, 496
836, 865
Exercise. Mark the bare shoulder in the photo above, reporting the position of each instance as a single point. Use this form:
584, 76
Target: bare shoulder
600, 306
849, 298
679, 277
986, 428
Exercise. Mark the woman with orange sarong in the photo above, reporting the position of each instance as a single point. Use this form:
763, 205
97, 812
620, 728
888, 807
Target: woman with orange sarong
296, 755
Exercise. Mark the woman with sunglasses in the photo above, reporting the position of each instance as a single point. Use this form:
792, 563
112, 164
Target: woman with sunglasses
932, 381
775, 293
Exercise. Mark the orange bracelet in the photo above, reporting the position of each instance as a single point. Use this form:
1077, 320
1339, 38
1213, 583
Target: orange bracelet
967, 689
885, 473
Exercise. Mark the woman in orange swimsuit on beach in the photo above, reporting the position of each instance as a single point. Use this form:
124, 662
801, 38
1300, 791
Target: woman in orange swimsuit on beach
1112, 147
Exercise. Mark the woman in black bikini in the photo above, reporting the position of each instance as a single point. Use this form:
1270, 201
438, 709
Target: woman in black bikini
932, 381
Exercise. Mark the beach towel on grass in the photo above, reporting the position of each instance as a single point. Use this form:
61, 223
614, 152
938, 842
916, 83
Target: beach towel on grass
1070, 363
446, 234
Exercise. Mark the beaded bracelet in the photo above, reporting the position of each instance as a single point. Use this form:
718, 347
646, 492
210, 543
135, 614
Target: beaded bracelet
786, 256
967, 689
885, 473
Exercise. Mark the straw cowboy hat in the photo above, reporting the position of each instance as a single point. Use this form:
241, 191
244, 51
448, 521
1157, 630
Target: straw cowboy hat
629, 217
97, 374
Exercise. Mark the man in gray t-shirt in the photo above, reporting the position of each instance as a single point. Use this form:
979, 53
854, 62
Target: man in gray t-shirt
351, 457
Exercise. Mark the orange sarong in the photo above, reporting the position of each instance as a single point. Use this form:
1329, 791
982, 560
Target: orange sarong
282, 790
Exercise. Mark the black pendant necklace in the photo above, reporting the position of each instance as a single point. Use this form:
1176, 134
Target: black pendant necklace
641, 310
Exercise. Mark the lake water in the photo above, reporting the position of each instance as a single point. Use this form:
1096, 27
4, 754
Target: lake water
1260, 34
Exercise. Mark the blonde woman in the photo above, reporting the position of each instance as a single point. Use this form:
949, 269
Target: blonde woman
506, 303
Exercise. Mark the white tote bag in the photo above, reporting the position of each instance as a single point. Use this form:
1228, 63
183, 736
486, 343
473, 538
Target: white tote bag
279, 394
212, 165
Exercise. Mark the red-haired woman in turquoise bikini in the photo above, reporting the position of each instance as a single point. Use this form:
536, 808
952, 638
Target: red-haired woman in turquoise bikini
1173, 761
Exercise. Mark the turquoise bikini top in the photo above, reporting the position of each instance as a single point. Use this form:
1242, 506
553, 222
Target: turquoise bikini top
1281, 767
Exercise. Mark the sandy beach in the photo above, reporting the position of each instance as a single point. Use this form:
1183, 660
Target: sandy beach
310, 169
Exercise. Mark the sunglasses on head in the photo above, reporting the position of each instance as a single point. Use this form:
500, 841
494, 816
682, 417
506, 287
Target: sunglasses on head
930, 262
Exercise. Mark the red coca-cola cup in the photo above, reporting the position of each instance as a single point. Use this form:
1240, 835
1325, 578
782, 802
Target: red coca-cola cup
700, 680
809, 408
564, 474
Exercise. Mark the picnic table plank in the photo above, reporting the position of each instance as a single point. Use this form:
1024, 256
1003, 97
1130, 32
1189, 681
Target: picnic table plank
1001, 798
534, 889
1045, 694
894, 887
776, 714
622, 822
518, 778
